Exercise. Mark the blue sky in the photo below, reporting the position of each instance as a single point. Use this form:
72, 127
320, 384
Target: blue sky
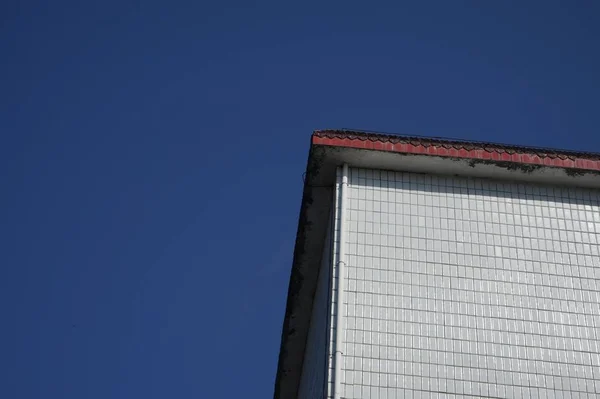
152, 157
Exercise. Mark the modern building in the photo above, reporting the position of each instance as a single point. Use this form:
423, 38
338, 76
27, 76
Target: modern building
434, 268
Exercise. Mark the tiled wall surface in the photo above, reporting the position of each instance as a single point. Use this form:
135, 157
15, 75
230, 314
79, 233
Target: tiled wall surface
470, 288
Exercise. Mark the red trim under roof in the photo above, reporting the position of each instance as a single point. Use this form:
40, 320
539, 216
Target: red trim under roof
457, 149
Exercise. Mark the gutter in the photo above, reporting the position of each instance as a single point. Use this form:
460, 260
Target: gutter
341, 288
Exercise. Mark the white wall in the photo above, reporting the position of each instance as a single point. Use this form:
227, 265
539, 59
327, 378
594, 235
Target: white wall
468, 288
312, 381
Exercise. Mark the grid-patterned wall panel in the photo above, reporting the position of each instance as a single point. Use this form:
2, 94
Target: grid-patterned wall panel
470, 288
312, 382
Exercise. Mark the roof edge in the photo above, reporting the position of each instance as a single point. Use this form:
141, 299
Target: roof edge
313, 221
586, 161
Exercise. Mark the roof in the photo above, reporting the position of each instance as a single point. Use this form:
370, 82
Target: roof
332, 148
458, 148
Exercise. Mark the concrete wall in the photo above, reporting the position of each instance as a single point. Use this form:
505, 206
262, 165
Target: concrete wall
312, 381
469, 288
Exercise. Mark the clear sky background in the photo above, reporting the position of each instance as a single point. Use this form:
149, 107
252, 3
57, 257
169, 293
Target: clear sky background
151, 162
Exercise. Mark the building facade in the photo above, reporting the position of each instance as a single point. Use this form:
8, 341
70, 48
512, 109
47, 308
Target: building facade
428, 268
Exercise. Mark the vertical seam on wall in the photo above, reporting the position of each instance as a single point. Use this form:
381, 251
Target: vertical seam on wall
329, 244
